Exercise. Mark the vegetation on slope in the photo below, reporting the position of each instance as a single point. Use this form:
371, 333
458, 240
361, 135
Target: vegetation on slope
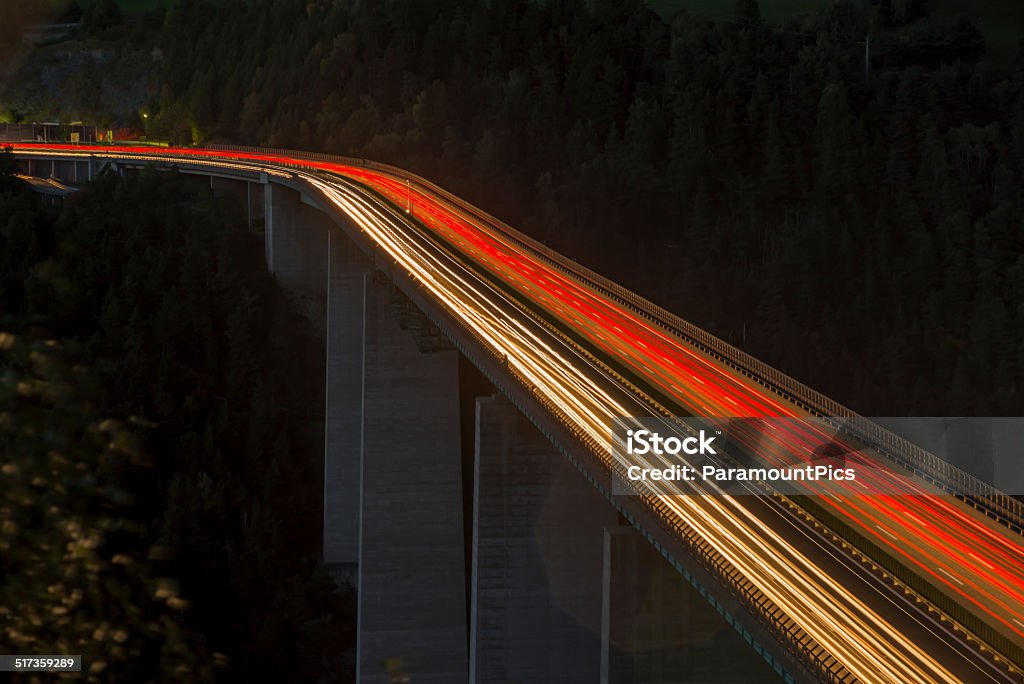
861, 231
160, 434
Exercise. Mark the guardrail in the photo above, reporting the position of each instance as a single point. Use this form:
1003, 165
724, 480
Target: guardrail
922, 463
945, 476
822, 665
791, 635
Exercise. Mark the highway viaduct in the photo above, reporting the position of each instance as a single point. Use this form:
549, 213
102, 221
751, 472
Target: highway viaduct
485, 545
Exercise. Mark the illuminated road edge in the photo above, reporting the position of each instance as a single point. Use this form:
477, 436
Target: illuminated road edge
586, 393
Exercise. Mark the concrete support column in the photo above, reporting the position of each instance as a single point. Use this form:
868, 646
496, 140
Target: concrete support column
296, 248
268, 225
538, 545
287, 237
412, 591
343, 414
258, 204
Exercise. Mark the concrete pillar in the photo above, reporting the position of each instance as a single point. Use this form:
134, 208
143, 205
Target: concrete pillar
347, 269
296, 243
287, 237
258, 204
657, 628
412, 589
538, 552
268, 225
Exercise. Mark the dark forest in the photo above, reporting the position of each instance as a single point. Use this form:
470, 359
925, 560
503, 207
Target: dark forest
851, 214
157, 467
860, 230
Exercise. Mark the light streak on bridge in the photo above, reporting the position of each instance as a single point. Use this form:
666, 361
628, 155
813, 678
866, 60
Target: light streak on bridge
593, 360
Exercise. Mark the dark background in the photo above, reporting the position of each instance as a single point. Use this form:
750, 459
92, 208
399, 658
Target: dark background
858, 228
849, 213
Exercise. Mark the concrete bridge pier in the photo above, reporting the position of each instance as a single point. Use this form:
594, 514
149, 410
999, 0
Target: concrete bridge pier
343, 415
295, 245
268, 225
538, 545
393, 485
412, 592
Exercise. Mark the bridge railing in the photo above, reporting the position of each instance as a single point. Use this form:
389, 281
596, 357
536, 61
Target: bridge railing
924, 464
796, 641
805, 650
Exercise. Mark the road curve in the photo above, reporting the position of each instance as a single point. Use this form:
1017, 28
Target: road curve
498, 289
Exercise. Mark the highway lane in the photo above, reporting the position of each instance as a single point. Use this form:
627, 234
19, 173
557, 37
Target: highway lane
969, 557
783, 572
834, 613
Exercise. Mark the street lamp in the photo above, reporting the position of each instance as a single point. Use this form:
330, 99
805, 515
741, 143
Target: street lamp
145, 126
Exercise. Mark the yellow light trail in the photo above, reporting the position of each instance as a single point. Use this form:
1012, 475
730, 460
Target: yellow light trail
859, 637
870, 647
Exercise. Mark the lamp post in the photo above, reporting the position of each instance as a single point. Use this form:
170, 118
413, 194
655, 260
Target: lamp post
145, 126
